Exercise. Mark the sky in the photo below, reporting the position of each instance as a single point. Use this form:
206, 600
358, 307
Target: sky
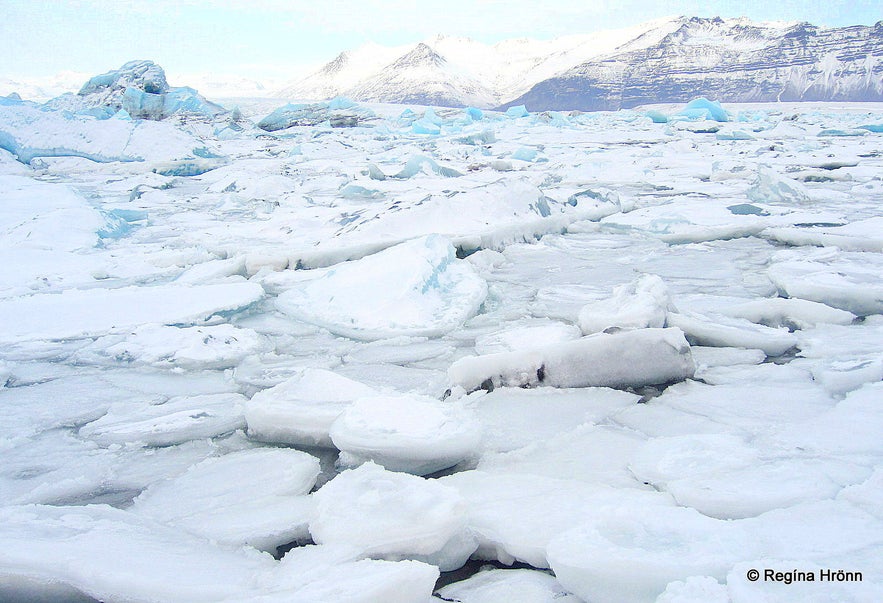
281, 40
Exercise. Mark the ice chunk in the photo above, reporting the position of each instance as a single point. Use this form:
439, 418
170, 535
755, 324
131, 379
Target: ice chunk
732, 332
420, 164
840, 377
512, 418
695, 589
424, 126
294, 115
657, 117
848, 286
686, 221
496, 585
145, 105
115, 555
46, 217
531, 335
301, 409
140, 89
27, 133
393, 516
706, 357
145, 75
734, 135
209, 347
664, 459
791, 313
839, 132
643, 303
334, 573
525, 154
177, 420
514, 516
517, 111
415, 288
867, 495
476, 114
254, 497
81, 313
589, 453
702, 108
406, 433
771, 187
339, 113
851, 427
861, 235
633, 554
624, 359
753, 490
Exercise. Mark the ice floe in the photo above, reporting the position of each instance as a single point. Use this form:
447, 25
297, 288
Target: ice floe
415, 288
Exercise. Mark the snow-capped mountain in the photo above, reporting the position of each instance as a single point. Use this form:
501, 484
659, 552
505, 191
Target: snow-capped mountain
733, 60
667, 60
457, 71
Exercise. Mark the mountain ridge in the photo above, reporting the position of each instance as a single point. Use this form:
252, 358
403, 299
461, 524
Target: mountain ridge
672, 59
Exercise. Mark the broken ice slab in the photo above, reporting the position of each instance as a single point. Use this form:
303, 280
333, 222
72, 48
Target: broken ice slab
80, 313
487, 586
623, 359
410, 433
175, 421
418, 287
723, 331
643, 303
845, 284
251, 497
393, 516
302, 409
28, 132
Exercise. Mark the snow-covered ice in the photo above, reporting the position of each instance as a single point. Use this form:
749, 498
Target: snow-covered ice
254, 497
405, 433
636, 352
393, 515
302, 409
429, 292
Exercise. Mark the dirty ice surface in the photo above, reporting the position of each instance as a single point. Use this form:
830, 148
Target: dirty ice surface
570, 357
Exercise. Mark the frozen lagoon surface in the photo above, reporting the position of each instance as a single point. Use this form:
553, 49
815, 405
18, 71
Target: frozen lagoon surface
551, 357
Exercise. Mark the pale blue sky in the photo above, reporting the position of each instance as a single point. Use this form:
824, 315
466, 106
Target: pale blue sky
275, 38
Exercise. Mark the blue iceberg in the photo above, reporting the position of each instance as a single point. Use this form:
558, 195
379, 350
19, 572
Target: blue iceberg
702, 108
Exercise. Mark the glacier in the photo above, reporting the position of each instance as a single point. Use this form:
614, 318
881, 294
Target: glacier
506, 357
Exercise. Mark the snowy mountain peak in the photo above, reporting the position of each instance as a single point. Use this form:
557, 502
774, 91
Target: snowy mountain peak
338, 64
421, 55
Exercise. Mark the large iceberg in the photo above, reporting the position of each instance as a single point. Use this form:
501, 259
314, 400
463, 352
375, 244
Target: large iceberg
140, 90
